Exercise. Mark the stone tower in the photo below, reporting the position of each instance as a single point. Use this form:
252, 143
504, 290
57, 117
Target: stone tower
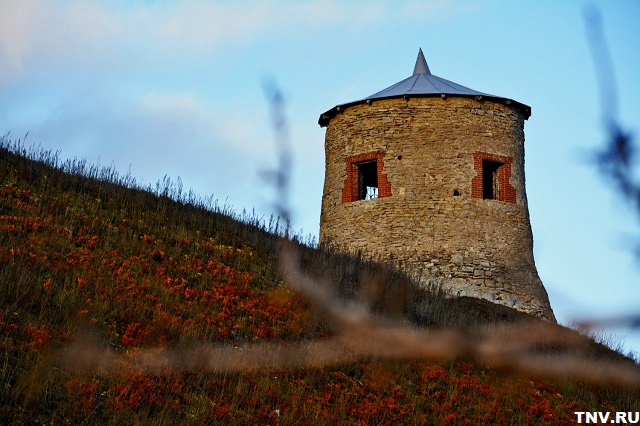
430, 174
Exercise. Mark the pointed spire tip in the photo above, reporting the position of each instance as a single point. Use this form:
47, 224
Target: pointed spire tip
421, 65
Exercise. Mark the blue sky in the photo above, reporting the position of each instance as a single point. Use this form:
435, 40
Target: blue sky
176, 88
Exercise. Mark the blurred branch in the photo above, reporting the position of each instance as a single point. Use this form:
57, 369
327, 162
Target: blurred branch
281, 175
616, 158
358, 333
536, 348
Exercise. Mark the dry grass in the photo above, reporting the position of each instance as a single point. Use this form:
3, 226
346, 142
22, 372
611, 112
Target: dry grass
121, 305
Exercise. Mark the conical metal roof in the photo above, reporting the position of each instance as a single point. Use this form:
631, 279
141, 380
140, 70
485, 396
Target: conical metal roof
423, 84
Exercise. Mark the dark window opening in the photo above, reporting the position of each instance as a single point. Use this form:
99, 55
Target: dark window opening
491, 179
456, 193
367, 180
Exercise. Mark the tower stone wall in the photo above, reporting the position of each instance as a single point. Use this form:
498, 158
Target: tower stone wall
434, 213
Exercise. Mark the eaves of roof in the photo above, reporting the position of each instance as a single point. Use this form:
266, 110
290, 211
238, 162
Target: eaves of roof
424, 84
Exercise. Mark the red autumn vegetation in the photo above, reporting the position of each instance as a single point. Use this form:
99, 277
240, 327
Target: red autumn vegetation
85, 251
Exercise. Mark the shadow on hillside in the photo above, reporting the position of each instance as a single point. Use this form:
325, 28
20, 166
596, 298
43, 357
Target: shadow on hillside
361, 308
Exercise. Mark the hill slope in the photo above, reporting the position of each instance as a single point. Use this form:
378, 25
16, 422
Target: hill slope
86, 258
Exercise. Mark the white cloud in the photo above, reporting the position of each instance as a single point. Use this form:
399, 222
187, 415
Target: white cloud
17, 20
126, 80
201, 25
38, 35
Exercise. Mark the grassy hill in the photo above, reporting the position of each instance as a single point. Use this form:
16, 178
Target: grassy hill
97, 275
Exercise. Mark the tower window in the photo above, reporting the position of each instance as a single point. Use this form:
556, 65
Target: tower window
367, 180
491, 179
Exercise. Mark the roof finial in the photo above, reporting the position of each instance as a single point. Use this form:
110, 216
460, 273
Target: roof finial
421, 65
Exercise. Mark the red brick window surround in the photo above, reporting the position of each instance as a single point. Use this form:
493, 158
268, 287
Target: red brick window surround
491, 182
359, 170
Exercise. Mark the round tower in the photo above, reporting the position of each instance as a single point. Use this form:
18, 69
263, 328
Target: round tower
430, 174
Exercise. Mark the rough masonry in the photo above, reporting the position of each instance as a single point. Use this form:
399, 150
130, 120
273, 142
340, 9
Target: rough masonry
433, 179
